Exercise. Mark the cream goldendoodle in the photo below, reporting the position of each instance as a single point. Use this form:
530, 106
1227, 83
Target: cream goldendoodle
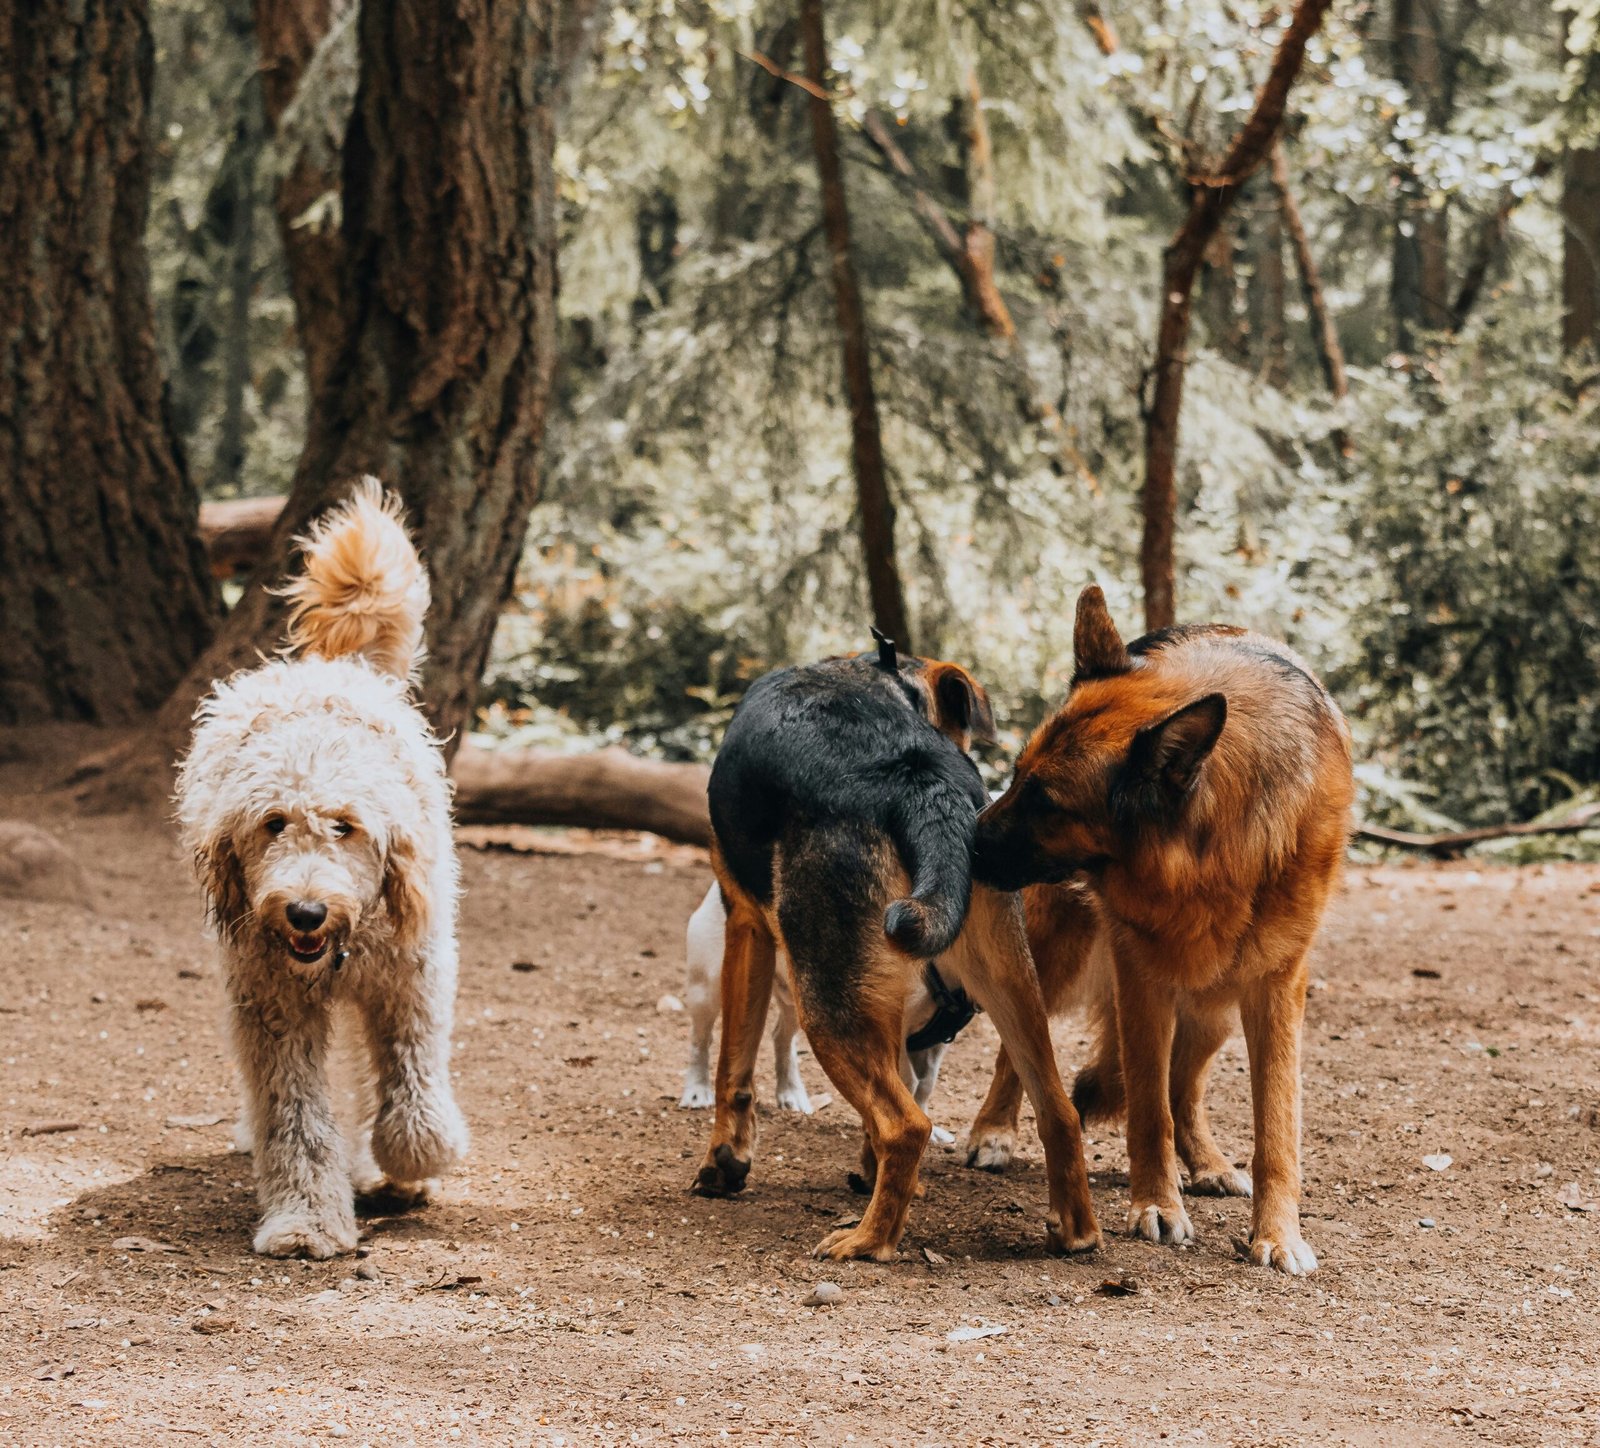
315, 802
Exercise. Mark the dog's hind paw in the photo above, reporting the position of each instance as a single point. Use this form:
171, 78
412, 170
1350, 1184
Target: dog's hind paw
1159, 1223
794, 1098
697, 1095
723, 1174
991, 1150
1285, 1251
1224, 1182
297, 1232
940, 1137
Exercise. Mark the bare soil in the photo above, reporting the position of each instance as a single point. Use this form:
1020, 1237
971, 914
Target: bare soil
565, 1287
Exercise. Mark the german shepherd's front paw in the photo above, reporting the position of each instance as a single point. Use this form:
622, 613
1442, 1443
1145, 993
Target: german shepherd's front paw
723, 1173
1223, 1182
851, 1242
1160, 1222
991, 1149
1285, 1250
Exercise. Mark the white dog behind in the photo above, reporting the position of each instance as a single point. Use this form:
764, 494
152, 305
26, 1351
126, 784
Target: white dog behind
315, 803
703, 997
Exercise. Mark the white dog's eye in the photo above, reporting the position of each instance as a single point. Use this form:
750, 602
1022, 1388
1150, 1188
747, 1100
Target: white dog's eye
341, 828
275, 824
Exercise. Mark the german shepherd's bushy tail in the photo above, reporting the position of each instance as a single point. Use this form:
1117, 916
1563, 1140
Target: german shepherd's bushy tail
364, 590
932, 828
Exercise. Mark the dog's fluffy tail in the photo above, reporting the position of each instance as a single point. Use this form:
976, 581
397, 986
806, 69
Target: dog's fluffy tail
932, 829
364, 590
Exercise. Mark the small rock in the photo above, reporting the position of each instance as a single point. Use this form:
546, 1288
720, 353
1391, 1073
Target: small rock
972, 1334
668, 1005
1426, 1222
1438, 1161
825, 1294
367, 1272
210, 1326
35, 865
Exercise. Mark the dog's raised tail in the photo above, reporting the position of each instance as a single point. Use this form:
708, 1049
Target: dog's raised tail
363, 589
932, 830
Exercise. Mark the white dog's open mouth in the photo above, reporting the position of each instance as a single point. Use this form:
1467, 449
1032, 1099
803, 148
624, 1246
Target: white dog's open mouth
307, 948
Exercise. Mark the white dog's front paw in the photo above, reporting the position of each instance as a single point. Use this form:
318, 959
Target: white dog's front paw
697, 1094
422, 1142
941, 1137
301, 1232
1157, 1222
991, 1150
1285, 1251
1224, 1182
793, 1096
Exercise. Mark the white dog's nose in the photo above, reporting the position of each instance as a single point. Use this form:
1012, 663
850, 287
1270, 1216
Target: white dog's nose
306, 915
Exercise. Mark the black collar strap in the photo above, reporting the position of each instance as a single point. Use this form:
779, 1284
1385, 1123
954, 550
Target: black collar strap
953, 1010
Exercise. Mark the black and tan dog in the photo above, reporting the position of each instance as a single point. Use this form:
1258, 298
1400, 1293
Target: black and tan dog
1199, 781
843, 808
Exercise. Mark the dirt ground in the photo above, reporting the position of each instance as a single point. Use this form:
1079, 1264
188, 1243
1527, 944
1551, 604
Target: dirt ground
566, 1288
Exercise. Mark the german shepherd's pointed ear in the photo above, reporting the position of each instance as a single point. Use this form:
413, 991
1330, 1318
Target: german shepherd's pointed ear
1168, 755
961, 707
1097, 648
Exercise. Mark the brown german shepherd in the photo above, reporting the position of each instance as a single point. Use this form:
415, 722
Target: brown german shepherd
1198, 782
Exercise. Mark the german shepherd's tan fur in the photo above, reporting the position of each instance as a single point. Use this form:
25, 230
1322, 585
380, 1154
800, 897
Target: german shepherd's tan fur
1199, 781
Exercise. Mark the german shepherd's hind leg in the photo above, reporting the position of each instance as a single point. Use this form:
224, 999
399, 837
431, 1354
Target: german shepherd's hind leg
748, 961
863, 1062
1146, 1019
1273, 1009
1199, 1036
992, 961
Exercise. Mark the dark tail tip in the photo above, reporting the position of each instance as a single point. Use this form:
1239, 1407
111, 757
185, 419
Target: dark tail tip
924, 928
1097, 1094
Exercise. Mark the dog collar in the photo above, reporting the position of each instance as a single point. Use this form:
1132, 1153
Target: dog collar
953, 1011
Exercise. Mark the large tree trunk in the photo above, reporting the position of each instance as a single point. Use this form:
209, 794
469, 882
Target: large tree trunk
104, 593
866, 441
1580, 258
1211, 197
447, 334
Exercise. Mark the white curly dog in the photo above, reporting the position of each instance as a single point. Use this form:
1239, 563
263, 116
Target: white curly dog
315, 803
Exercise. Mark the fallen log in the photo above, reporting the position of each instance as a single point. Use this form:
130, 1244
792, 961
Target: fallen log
236, 532
1452, 842
607, 790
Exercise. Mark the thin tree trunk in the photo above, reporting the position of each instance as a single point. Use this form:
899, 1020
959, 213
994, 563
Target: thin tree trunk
288, 33
978, 153
448, 327
872, 487
1210, 199
1420, 284
104, 594
1270, 286
1580, 256
1324, 335
1489, 248
228, 465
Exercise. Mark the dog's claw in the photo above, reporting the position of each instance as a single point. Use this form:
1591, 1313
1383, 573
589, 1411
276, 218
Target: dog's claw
723, 1175
1161, 1223
1224, 1182
850, 1242
991, 1150
1289, 1253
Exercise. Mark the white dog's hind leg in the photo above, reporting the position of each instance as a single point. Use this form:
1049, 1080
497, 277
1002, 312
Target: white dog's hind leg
792, 1095
301, 1181
925, 1067
703, 995
418, 1132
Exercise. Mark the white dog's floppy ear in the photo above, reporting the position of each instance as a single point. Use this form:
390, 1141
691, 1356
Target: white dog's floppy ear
405, 893
222, 877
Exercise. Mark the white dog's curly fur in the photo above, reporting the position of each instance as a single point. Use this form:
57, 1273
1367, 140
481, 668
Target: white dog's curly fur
315, 802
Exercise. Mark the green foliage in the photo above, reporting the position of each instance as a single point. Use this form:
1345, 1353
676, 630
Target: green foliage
1475, 658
